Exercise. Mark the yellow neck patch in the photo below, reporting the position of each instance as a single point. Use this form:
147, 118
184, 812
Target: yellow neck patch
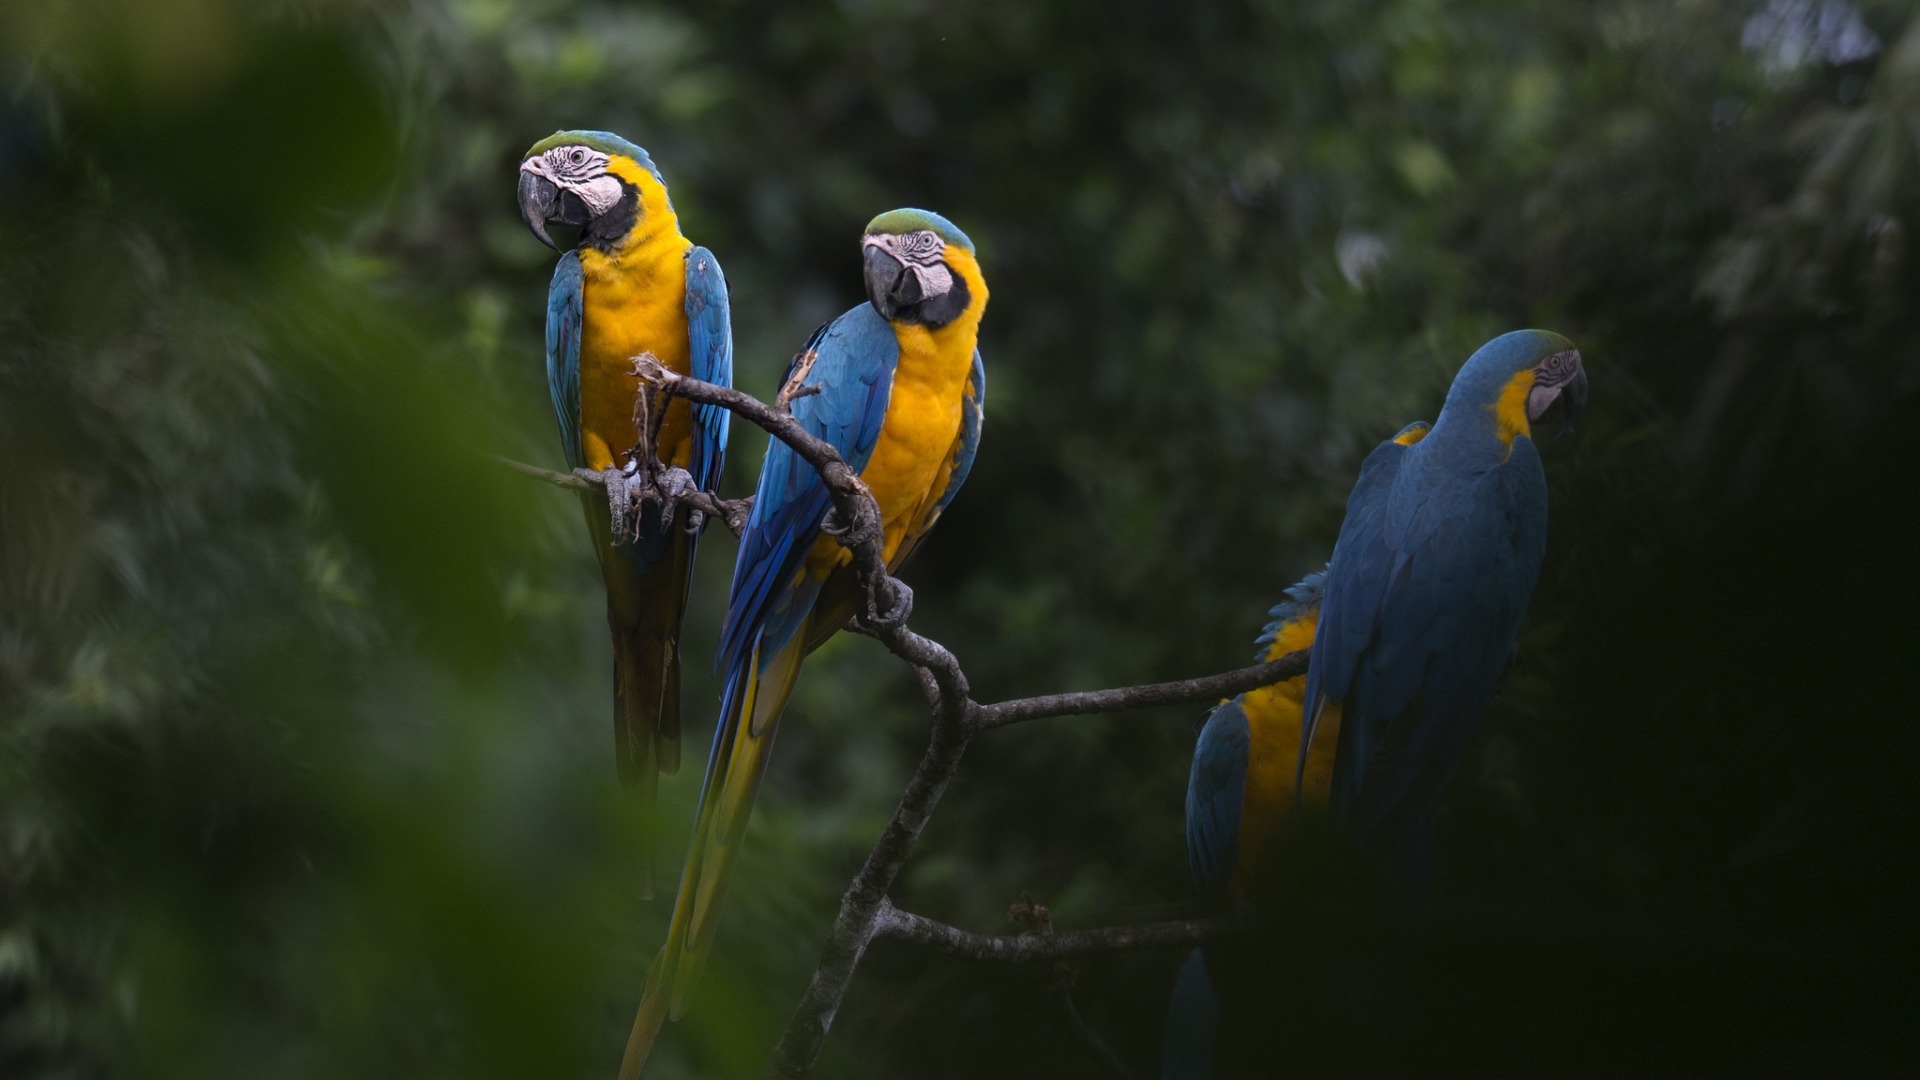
962, 262
1510, 411
656, 218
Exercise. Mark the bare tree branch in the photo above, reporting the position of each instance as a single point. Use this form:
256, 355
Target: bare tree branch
1151, 695
855, 522
862, 905
859, 515
733, 512
865, 912
557, 479
1031, 948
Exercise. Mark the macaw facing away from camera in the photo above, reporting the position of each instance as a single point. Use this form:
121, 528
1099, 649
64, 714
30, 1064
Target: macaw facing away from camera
1240, 794
896, 386
632, 284
1430, 577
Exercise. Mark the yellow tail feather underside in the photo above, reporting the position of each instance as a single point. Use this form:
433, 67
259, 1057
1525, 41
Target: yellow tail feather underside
717, 835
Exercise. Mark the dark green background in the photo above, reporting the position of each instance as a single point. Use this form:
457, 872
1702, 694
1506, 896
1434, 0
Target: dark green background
305, 767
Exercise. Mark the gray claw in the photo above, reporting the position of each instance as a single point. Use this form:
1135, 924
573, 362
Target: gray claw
851, 534
676, 484
620, 507
738, 515
899, 604
672, 487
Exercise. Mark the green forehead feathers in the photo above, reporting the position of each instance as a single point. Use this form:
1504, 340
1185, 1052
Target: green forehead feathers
900, 222
604, 141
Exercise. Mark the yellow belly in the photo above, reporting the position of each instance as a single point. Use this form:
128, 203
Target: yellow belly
632, 303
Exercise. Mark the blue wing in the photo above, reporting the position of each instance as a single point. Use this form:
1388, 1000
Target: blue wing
1431, 593
973, 413
710, 337
1471, 554
1350, 594
1215, 790
563, 353
851, 360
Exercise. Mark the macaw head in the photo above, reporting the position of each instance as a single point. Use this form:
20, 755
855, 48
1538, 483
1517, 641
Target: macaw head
593, 180
1520, 379
920, 268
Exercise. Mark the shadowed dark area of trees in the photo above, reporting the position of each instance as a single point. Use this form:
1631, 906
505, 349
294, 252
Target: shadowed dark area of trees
305, 768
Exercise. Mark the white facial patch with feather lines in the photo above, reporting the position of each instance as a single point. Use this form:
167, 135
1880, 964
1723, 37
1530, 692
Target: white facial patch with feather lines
1549, 376
580, 170
920, 252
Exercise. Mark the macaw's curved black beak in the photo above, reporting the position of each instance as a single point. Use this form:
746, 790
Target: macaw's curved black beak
539, 198
1559, 391
543, 203
1576, 397
889, 285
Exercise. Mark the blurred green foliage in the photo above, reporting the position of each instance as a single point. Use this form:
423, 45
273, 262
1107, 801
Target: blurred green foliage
304, 768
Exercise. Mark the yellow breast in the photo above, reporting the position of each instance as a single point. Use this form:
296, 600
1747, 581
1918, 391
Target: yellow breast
633, 300
913, 456
1273, 723
921, 425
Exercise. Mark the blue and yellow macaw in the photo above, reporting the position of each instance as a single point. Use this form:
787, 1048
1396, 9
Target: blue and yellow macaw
1432, 572
1240, 794
632, 284
896, 386
1241, 789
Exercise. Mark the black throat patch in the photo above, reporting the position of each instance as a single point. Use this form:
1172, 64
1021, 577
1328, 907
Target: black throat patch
936, 312
610, 229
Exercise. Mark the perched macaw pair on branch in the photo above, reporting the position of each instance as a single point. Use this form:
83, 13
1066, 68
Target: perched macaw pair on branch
895, 385
1410, 628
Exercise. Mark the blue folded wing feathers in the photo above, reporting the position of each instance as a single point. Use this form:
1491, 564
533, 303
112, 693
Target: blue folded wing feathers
853, 359
1495, 563
710, 353
563, 353
1349, 605
1431, 581
1215, 790
1462, 565
973, 413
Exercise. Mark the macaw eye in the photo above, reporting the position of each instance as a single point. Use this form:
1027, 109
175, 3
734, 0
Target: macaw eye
1558, 366
577, 156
